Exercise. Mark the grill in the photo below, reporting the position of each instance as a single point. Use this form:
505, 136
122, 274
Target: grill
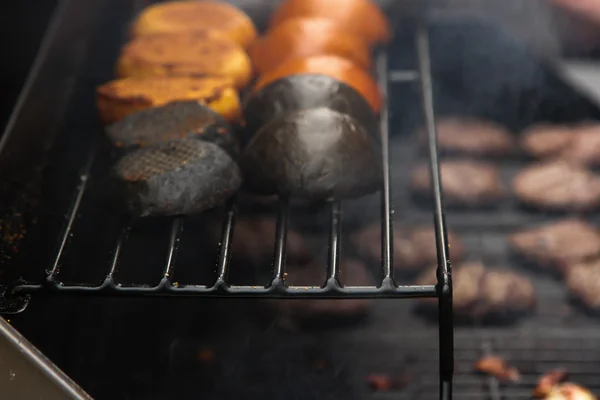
54, 229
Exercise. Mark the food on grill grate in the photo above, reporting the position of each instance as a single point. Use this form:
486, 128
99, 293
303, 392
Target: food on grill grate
583, 281
342, 70
317, 153
305, 91
303, 37
386, 382
558, 185
471, 137
464, 182
569, 391
352, 273
580, 143
414, 249
174, 178
198, 54
254, 239
498, 368
360, 16
194, 16
548, 381
174, 121
119, 98
557, 245
482, 293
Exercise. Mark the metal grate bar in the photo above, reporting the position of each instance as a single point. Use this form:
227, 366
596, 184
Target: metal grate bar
444, 271
493, 385
280, 244
333, 271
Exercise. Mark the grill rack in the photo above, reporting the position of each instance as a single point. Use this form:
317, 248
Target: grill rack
51, 285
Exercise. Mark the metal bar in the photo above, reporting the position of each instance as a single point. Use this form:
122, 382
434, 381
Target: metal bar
335, 237
444, 272
387, 232
397, 76
27, 373
280, 244
174, 237
315, 292
226, 238
493, 385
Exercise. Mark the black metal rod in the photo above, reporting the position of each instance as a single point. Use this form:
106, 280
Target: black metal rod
335, 238
280, 243
444, 272
174, 237
226, 238
387, 233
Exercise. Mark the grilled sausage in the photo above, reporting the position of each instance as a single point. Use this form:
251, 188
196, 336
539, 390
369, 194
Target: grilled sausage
583, 282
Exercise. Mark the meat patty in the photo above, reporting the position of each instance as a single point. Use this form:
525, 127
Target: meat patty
481, 292
556, 245
583, 282
352, 273
464, 182
414, 248
580, 143
471, 136
558, 185
254, 242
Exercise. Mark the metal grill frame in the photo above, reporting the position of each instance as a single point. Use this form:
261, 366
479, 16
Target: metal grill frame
277, 288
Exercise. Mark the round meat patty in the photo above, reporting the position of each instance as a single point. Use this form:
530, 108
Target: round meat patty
471, 136
414, 248
583, 282
482, 293
556, 245
558, 185
577, 143
464, 182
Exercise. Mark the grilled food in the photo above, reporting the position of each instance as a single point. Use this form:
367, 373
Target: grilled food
352, 273
198, 54
362, 17
306, 91
556, 245
414, 249
304, 37
464, 182
174, 121
482, 293
583, 281
471, 136
569, 391
558, 185
254, 242
317, 153
196, 16
580, 143
119, 98
342, 70
178, 177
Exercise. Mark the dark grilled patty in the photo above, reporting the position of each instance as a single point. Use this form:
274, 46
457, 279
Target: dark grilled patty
481, 292
558, 185
471, 137
414, 248
556, 245
464, 182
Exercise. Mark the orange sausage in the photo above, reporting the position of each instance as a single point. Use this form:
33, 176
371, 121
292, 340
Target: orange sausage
190, 16
360, 16
336, 67
303, 37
